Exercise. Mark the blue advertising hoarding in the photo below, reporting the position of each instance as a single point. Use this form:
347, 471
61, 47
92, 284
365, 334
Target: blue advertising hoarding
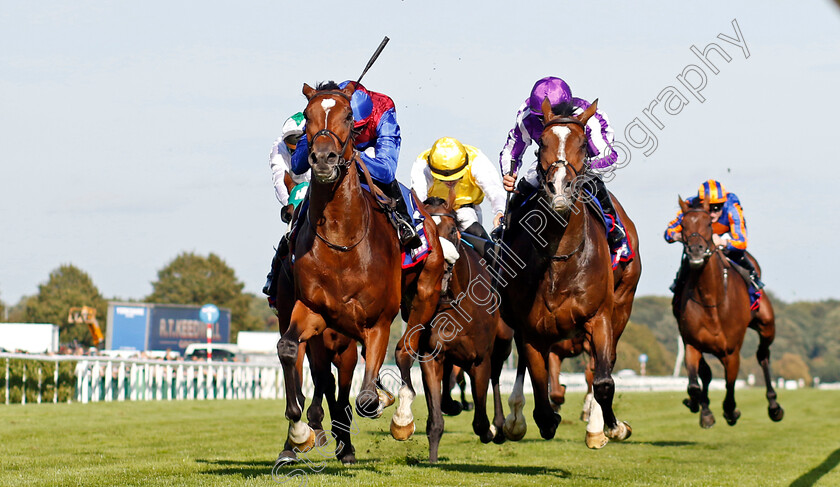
141, 326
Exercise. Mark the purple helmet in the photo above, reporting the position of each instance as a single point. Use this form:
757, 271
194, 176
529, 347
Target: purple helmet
555, 89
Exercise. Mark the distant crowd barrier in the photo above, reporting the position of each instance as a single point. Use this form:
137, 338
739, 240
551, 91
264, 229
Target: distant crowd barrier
43, 378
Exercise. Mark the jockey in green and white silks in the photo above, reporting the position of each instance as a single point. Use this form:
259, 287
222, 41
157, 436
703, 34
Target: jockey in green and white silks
280, 160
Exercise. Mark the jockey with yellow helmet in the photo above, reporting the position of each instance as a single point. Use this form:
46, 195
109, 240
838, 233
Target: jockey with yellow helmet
449, 165
729, 228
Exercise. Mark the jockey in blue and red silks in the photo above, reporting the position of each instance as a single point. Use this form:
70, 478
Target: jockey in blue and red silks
729, 228
378, 143
529, 127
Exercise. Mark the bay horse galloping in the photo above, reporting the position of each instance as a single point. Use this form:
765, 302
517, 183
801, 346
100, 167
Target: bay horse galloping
468, 332
321, 350
713, 313
567, 286
347, 268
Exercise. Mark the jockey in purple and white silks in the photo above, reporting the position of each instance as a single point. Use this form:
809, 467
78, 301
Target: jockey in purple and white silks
529, 127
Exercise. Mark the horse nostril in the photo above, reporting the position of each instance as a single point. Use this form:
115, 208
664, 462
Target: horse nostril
313, 158
332, 158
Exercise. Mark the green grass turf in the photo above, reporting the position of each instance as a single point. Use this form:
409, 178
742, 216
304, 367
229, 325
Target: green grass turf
235, 443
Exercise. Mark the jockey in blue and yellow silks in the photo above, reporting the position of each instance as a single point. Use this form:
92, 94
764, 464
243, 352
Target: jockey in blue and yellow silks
378, 142
729, 228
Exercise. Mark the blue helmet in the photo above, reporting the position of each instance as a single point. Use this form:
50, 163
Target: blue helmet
360, 102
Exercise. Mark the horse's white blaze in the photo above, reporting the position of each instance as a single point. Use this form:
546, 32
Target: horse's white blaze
403, 416
327, 104
596, 418
299, 432
562, 134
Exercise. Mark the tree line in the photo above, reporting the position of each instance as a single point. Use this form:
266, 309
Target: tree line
189, 278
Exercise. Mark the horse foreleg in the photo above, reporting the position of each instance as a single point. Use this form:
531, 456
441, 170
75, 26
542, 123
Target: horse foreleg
462, 385
342, 413
501, 351
731, 363
432, 379
479, 380
589, 373
324, 383
603, 387
705, 373
288, 454
697, 399
544, 415
557, 391
449, 406
376, 344
765, 324
304, 323
515, 423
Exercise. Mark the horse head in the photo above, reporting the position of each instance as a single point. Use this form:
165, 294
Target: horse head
445, 218
562, 153
329, 130
697, 233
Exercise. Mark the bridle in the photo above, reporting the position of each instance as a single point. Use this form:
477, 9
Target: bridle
325, 132
546, 174
706, 254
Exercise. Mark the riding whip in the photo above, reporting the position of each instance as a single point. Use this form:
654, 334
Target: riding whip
373, 59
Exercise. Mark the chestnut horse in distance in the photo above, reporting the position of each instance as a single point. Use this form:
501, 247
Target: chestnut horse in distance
713, 313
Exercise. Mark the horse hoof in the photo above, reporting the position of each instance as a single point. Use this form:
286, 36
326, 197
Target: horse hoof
621, 432
514, 430
596, 441
402, 433
286, 457
306, 444
450, 408
348, 459
385, 399
499, 436
707, 420
691, 405
320, 437
731, 419
776, 414
584, 416
488, 436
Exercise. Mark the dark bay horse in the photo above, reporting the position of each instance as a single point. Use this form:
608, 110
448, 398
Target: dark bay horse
567, 286
347, 268
467, 332
713, 313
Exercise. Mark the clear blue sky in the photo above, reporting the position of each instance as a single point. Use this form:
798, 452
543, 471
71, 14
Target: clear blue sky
132, 131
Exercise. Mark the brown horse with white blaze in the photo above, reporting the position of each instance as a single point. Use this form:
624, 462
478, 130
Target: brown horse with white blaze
567, 286
347, 268
713, 313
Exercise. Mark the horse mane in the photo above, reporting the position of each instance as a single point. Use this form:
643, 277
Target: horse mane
435, 201
563, 109
327, 85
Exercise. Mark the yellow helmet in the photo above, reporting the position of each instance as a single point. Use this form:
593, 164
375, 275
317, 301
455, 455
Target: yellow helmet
448, 159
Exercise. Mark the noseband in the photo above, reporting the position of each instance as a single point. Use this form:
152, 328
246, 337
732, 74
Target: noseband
695, 235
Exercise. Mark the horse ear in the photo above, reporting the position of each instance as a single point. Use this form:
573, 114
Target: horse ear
450, 199
349, 89
706, 204
587, 114
546, 109
683, 204
308, 91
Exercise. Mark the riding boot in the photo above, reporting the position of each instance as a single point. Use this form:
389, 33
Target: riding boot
524, 191
270, 288
742, 260
679, 277
400, 218
477, 237
616, 233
